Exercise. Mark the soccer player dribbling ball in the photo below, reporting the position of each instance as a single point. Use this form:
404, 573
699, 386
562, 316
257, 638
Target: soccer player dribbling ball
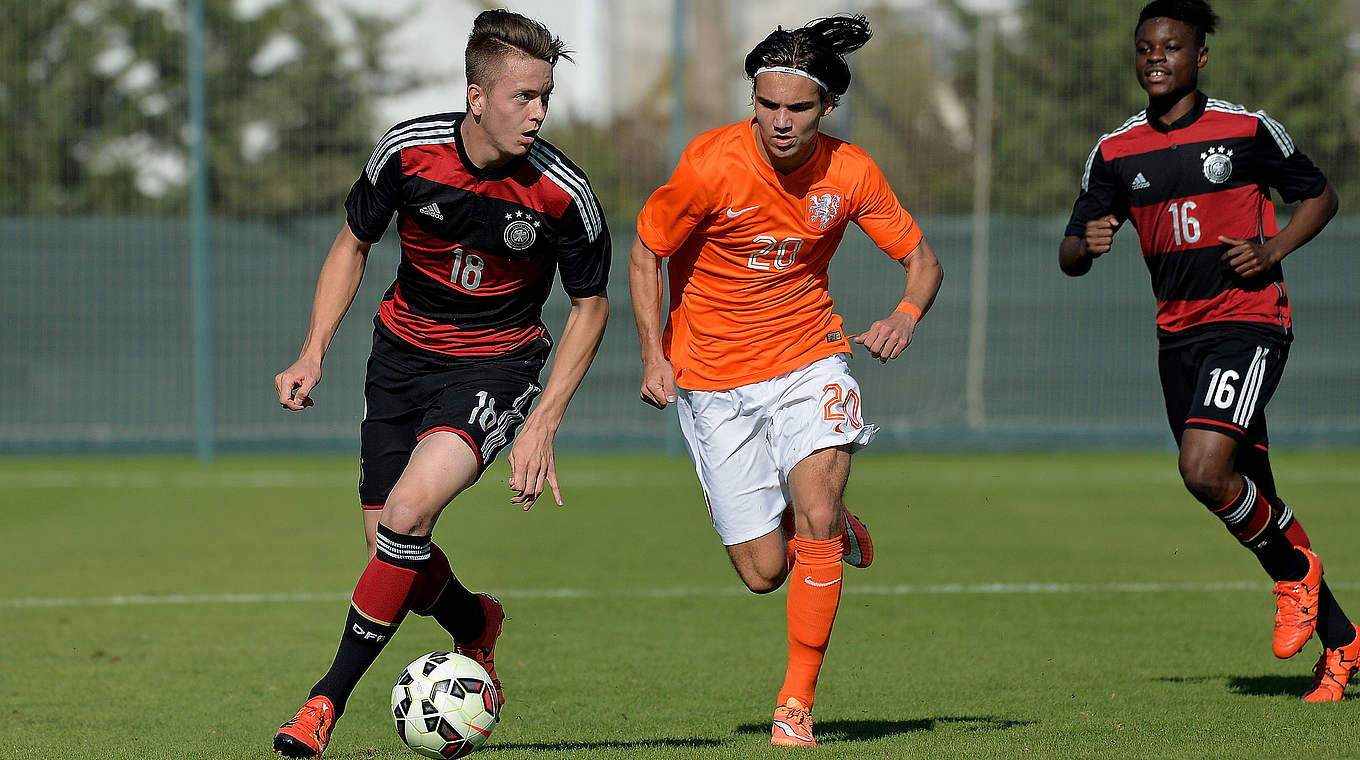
487, 212
752, 353
1190, 173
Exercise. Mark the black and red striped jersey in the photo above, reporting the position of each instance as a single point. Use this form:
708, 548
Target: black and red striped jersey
478, 247
1182, 186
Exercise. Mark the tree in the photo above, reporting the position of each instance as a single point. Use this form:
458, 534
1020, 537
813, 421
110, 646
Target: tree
93, 106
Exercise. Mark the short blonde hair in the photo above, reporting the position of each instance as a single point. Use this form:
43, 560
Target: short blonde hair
499, 32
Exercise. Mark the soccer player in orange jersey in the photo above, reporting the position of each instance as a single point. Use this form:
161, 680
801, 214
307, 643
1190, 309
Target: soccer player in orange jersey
752, 353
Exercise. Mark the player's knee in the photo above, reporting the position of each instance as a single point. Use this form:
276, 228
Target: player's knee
407, 518
763, 579
763, 584
1206, 479
820, 521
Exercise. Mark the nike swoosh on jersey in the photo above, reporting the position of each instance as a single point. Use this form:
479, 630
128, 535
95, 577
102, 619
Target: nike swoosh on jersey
808, 580
734, 214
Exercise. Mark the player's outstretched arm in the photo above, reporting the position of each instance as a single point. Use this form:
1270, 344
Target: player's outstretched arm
531, 456
644, 280
1251, 259
889, 337
1076, 253
335, 289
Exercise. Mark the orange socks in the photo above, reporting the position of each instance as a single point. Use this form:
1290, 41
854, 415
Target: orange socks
814, 595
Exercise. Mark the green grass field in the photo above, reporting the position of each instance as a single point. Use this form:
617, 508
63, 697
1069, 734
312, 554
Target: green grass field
1056, 606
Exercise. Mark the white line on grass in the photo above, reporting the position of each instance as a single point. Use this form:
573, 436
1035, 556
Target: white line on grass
669, 593
66, 478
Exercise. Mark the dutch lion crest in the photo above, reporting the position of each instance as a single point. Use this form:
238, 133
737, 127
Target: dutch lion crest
823, 209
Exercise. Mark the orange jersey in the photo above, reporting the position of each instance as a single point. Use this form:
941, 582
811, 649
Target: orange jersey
748, 250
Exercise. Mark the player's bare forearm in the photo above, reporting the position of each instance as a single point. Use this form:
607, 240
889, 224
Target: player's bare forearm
1250, 258
531, 457
1308, 220
887, 338
576, 349
336, 285
644, 280
1072, 256
924, 275
1076, 254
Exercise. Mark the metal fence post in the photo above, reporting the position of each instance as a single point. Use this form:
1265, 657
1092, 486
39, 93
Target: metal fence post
200, 276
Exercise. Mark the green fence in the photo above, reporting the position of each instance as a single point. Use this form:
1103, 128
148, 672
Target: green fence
96, 353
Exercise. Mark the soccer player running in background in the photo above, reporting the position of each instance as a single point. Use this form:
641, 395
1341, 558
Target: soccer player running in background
486, 211
752, 353
1191, 174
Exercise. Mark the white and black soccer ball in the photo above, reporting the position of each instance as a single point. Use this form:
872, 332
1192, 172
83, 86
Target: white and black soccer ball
445, 705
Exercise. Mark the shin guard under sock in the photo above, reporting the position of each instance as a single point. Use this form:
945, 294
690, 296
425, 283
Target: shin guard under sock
375, 612
814, 596
1248, 517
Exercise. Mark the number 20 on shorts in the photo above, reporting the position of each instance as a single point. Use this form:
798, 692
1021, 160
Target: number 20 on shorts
847, 401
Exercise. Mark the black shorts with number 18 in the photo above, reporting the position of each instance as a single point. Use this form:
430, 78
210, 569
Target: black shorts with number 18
1221, 377
410, 393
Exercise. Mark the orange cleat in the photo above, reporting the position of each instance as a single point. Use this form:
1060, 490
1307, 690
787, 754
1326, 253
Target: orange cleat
1334, 668
857, 547
483, 649
792, 725
1296, 606
308, 733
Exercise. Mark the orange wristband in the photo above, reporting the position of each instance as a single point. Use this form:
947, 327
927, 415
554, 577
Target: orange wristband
907, 307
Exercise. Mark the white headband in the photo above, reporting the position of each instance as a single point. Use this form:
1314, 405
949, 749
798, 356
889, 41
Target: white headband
790, 70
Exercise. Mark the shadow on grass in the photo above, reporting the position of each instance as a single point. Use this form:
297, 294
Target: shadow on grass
1271, 686
1253, 686
570, 746
871, 730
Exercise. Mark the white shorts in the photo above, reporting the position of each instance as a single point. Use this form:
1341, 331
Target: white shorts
745, 441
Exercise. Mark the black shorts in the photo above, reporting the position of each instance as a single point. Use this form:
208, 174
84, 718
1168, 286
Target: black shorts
410, 393
1222, 379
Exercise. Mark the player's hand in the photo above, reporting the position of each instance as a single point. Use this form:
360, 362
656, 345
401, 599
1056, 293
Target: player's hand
888, 338
531, 464
295, 384
1100, 235
658, 383
1248, 259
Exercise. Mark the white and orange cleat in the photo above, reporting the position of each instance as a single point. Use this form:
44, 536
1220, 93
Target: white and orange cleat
792, 725
308, 733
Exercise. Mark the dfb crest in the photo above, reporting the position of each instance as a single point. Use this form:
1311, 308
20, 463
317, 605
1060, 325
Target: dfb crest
823, 209
1217, 164
520, 231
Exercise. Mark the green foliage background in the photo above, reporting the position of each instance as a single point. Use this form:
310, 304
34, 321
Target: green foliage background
74, 125
67, 105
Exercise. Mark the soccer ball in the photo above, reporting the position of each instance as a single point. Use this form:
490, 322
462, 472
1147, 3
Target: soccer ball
445, 705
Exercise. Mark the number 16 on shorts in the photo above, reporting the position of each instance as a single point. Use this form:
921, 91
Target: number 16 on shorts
1232, 395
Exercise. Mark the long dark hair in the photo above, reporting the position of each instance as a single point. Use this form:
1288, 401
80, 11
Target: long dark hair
818, 48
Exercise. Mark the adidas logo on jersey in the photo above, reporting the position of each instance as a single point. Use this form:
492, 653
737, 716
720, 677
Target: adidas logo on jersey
1140, 182
432, 209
